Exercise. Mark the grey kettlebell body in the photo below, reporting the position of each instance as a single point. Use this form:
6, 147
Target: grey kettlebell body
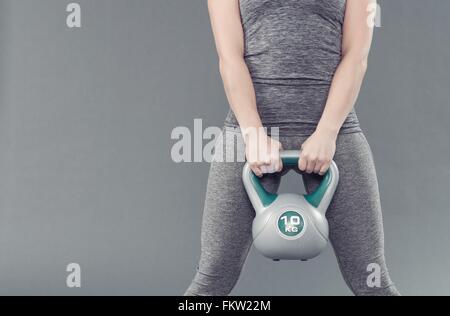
290, 226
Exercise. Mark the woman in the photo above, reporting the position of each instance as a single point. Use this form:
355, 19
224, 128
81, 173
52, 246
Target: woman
297, 65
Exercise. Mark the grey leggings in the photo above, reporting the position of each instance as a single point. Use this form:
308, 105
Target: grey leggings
355, 219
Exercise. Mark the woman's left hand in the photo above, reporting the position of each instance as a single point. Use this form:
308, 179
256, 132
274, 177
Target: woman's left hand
318, 152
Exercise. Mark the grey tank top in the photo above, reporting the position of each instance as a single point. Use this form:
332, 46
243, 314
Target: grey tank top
292, 50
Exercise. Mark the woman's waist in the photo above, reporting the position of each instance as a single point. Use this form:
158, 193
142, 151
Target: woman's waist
293, 65
290, 88
295, 125
293, 81
293, 109
291, 104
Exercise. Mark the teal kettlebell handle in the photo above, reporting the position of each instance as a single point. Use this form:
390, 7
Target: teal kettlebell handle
290, 159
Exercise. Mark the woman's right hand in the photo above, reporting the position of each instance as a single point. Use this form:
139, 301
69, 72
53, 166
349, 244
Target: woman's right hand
262, 153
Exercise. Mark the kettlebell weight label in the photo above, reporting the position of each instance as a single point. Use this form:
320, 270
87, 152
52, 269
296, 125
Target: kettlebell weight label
291, 225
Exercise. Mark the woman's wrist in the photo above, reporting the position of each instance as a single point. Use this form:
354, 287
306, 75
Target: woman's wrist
253, 131
331, 131
254, 134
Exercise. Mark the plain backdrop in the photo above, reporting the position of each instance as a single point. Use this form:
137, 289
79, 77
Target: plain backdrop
86, 174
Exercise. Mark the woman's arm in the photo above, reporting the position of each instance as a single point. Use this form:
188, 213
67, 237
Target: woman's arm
229, 38
319, 149
357, 39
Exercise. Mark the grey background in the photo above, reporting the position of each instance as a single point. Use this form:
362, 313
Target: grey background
86, 175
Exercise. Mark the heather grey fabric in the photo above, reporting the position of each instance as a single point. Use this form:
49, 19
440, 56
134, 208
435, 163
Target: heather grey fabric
292, 50
354, 215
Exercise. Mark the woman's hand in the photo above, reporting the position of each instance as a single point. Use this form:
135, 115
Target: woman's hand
263, 153
318, 152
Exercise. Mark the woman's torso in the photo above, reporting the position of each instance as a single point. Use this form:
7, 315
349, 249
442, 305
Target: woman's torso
292, 50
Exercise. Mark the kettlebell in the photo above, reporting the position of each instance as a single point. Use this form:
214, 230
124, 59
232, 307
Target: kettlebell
290, 226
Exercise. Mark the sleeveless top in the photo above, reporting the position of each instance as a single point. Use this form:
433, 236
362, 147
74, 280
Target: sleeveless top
292, 50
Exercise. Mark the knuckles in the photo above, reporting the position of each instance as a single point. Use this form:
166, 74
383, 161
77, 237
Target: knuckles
324, 160
316, 159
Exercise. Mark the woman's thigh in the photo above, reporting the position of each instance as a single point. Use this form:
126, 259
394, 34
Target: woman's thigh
228, 214
354, 215
355, 211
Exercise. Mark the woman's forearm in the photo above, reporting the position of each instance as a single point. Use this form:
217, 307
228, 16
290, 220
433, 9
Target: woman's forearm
240, 92
343, 93
229, 38
347, 81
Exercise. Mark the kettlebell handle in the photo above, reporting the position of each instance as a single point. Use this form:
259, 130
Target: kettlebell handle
320, 198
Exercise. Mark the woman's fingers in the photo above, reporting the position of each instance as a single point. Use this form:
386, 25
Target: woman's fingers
324, 168
302, 162
322, 165
311, 165
314, 165
317, 153
307, 163
278, 165
264, 156
269, 164
273, 166
256, 170
318, 166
